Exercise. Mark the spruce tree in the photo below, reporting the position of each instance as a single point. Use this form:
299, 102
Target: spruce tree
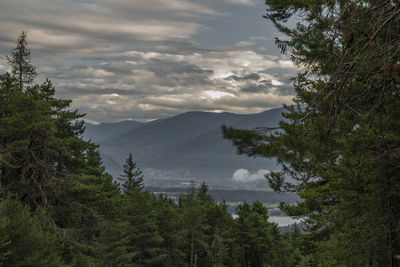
20, 62
132, 178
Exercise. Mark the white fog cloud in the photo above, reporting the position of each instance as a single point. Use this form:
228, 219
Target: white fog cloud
243, 175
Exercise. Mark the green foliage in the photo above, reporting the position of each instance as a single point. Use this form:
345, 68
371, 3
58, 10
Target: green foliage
171, 229
338, 146
254, 235
20, 62
40, 141
194, 222
24, 241
132, 178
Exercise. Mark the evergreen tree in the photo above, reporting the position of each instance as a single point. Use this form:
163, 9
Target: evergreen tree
170, 227
194, 219
20, 62
46, 163
144, 242
88, 212
28, 139
254, 239
40, 137
133, 177
23, 239
337, 147
222, 235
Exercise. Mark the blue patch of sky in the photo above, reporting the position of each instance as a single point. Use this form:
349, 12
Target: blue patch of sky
242, 23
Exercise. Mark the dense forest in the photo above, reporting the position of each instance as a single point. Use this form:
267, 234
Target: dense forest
338, 149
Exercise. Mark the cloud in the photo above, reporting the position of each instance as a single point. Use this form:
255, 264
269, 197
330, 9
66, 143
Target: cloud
244, 176
252, 41
85, 27
136, 82
251, 76
142, 60
241, 2
158, 81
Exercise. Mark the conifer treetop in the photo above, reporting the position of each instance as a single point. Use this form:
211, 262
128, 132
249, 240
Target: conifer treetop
20, 62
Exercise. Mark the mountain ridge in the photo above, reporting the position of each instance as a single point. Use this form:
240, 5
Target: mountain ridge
185, 147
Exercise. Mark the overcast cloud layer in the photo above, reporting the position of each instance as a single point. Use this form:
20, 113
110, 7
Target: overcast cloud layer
149, 59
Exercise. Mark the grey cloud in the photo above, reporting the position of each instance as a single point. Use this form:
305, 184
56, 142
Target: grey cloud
100, 25
110, 115
255, 88
138, 82
252, 76
286, 89
165, 68
241, 2
233, 77
136, 59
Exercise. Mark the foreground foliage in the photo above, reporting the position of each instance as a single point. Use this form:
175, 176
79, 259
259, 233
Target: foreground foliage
338, 147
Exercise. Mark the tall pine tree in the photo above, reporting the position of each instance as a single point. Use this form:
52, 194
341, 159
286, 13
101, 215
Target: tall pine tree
20, 62
339, 145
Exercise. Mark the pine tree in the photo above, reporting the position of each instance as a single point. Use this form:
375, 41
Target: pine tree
221, 234
144, 242
254, 239
45, 163
132, 179
170, 227
20, 62
40, 137
23, 239
28, 137
337, 147
88, 212
194, 216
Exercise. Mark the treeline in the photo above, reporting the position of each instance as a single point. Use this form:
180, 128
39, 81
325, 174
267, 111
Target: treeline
58, 206
236, 195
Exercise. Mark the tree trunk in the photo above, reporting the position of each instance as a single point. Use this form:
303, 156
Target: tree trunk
192, 248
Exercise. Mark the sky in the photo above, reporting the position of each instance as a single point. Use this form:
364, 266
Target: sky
149, 59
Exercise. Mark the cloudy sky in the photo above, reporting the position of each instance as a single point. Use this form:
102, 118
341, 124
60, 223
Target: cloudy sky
149, 59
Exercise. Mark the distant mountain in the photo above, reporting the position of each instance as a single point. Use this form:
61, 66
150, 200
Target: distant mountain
185, 147
105, 132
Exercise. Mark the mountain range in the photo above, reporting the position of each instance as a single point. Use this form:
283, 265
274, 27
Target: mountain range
188, 147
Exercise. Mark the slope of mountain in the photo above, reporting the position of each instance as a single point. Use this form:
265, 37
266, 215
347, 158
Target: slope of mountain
185, 147
106, 132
